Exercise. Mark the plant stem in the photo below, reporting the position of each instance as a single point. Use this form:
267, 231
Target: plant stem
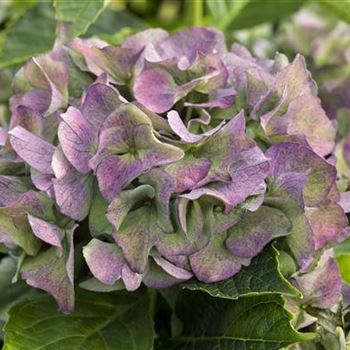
153, 300
195, 12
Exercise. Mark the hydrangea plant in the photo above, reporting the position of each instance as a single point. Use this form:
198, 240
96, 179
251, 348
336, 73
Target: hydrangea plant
175, 162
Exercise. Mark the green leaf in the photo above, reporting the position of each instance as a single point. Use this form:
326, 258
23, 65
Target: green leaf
259, 322
24, 39
101, 321
339, 8
344, 266
10, 292
112, 22
225, 12
262, 276
342, 254
80, 14
238, 14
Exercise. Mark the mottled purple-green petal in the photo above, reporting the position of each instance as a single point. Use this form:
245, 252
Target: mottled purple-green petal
29, 119
215, 262
128, 147
12, 188
164, 186
122, 204
321, 288
15, 230
53, 273
48, 74
146, 37
99, 102
118, 62
77, 138
136, 236
301, 112
105, 260
293, 157
131, 279
188, 172
46, 231
247, 178
232, 140
304, 116
114, 173
15, 227
32, 149
73, 194
300, 240
220, 98
327, 223
156, 277
250, 235
191, 42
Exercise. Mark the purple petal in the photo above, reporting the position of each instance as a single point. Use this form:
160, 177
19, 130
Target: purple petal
114, 173
73, 194
42, 182
144, 38
247, 178
180, 129
32, 149
99, 102
77, 138
173, 270
105, 260
60, 164
29, 119
45, 231
3, 136
155, 89
37, 100
191, 42
131, 279
345, 201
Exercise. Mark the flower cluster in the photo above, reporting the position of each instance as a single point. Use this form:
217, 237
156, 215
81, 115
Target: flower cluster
180, 157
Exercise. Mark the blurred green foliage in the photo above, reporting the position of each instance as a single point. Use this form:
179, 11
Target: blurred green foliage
28, 28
